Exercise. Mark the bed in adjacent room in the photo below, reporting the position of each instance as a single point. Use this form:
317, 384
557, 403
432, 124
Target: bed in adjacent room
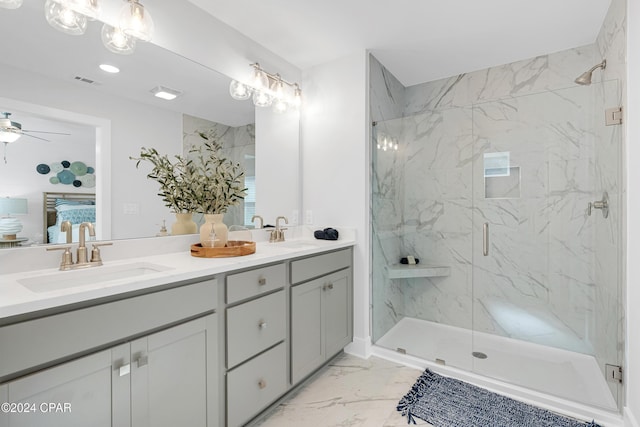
74, 207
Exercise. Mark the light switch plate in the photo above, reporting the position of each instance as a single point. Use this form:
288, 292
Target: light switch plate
308, 217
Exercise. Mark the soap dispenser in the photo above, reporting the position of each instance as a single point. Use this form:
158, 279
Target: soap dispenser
163, 230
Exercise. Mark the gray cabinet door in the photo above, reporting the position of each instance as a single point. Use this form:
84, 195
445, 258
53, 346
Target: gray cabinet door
337, 312
73, 394
169, 372
307, 351
320, 321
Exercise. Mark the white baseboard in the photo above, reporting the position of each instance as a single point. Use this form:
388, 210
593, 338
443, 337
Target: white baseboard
630, 420
359, 347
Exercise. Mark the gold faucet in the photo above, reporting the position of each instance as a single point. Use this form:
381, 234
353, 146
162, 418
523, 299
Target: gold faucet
67, 258
277, 235
253, 218
66, 227
82, 249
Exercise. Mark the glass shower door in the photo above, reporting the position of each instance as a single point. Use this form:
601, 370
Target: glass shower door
538, 288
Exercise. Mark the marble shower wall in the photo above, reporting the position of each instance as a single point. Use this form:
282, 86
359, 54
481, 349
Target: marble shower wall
547, 256
386, 103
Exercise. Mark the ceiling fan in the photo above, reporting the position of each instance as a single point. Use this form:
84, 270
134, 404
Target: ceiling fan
11, 131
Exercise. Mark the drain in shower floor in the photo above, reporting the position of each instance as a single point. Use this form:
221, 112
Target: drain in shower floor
479, 355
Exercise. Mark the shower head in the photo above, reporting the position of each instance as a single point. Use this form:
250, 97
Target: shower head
585, 78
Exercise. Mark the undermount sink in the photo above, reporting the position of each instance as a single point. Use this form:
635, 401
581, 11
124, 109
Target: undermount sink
90, 276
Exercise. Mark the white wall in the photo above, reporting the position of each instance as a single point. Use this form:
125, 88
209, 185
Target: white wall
335, 165
632, 365
277, 165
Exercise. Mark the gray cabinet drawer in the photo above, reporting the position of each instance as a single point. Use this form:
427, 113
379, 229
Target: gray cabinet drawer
309, 268
255, 326
254, 282
255, 385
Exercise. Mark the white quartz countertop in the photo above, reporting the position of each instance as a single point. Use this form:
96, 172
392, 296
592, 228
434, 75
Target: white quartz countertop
16, 299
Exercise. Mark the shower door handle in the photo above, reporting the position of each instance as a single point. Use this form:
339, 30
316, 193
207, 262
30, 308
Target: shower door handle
485, 239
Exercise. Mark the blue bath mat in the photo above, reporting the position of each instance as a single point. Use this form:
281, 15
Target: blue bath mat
447, 402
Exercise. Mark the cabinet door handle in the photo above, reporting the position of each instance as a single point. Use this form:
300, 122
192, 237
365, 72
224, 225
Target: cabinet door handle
262, 384
262, 281
262, 324
142, 361
330, 286
124, 370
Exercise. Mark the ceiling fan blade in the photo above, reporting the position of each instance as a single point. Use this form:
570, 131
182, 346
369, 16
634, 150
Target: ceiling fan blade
41, 131
36, 137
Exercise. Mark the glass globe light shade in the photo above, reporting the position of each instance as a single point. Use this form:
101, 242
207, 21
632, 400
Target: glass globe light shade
297, 97
260, 80
135, 21
262, 98
88, 8
239, 91
280, 105
10, 4
64, 19
116, 41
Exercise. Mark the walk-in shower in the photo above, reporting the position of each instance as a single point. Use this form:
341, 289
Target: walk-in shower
501, 199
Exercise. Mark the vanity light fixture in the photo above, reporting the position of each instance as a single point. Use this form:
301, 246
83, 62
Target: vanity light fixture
165, 93
267, 89
108, 68
135, 21
10, 4
64, 19
88, 8
116, 41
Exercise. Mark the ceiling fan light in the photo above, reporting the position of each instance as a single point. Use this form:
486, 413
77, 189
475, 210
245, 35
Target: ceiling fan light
116, 41
7, 135
135, 21
64, 19
10, 4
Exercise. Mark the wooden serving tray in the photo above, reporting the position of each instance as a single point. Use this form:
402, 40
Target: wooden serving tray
233, 248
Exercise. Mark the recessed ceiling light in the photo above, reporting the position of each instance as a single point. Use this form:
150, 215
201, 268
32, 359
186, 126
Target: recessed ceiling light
165, 93
109, 68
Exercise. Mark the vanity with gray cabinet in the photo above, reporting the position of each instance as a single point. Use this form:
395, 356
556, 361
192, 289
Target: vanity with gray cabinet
211, 351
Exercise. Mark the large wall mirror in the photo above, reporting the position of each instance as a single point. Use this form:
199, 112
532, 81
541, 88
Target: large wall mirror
51, 83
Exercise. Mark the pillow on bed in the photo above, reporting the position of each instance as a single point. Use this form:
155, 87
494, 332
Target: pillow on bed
60, 202
77, 214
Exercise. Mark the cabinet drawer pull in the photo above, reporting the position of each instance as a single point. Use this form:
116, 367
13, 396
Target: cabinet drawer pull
124, 370
262, 324
262, 384
142, 361
262, 281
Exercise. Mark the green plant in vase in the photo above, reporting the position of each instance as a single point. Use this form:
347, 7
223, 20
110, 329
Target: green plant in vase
218, 183
206, 182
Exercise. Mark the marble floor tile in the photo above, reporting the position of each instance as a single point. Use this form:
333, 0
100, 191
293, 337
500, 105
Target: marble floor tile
349, 392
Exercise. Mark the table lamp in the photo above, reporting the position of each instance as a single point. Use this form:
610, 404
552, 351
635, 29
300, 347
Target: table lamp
10, 226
